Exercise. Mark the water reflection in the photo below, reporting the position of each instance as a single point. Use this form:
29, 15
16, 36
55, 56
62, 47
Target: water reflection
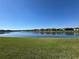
69, 33
48, 33
53, 33
39, 34
60, 33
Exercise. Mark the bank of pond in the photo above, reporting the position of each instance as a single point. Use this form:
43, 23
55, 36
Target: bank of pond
52, 33
41, 34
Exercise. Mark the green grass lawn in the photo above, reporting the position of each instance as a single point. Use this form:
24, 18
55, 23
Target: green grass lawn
39, 48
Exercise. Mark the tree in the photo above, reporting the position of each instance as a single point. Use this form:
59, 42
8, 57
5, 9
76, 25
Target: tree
69, 29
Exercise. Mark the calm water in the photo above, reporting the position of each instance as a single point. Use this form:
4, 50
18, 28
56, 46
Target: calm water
36, 34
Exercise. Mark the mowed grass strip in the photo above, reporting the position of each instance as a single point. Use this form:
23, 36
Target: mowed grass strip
39, 48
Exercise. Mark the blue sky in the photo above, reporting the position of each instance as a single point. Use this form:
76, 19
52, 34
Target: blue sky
27, 14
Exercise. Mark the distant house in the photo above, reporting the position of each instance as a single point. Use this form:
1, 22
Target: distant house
76, 29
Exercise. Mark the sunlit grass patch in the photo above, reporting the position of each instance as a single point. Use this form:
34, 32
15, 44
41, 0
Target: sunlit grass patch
39, 48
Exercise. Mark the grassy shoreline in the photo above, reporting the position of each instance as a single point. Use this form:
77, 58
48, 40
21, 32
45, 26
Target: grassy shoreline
39, 48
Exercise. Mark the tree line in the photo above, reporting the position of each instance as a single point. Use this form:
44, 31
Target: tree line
46, 30
55, 29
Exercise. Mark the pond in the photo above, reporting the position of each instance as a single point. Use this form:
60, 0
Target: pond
41, 34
